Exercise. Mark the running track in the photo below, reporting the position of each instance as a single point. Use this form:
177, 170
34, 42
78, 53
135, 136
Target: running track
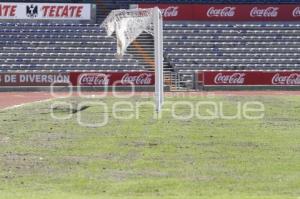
11, 99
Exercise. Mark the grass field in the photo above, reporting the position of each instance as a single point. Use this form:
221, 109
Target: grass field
146, 158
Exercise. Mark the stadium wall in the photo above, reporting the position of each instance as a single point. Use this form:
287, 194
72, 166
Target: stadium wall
87, 79
227, 12
84, 81
59, 12
243, 80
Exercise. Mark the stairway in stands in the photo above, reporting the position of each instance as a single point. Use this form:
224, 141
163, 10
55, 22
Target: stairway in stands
142, 49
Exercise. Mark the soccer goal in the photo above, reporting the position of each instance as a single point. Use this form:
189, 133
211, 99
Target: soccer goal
127, 26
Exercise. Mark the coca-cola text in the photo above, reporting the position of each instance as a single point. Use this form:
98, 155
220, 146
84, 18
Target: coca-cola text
223, 12
296, 12
93, 79
235, 78
171, 11
232, 12
250, 78
264, 12
141, 79
113, 79
291, 79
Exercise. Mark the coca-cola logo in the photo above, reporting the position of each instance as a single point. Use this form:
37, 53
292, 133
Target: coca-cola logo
234, 78
140, 79
266, 12
223, 12
296, 12
291, 79
94, 79
171, 11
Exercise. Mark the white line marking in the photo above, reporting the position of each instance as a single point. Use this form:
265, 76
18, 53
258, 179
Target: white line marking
29, 103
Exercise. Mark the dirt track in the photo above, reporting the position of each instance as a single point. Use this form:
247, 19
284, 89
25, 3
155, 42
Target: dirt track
17, 98
10, 99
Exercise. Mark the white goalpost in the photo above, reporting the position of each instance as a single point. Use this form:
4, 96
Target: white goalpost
127, 26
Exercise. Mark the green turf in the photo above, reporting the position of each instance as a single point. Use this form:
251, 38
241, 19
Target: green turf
148, 158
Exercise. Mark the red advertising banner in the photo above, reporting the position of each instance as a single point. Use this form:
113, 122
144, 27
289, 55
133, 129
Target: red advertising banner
112, 79
33, 79
45, 11
229, 12
250, 78
78, 79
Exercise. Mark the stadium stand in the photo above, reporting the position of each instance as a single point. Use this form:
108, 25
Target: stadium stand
38, 46
188, 46
233, 46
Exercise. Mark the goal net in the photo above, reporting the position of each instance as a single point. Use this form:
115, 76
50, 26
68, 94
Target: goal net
128, 25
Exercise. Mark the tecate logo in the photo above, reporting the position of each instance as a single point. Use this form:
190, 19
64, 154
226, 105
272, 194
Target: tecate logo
268, 12
292, 79
235, 78
224, 12
296, 12
171, 11
141, 79
94, 79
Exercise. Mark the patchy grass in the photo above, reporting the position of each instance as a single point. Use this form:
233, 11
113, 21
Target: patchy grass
145, 158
